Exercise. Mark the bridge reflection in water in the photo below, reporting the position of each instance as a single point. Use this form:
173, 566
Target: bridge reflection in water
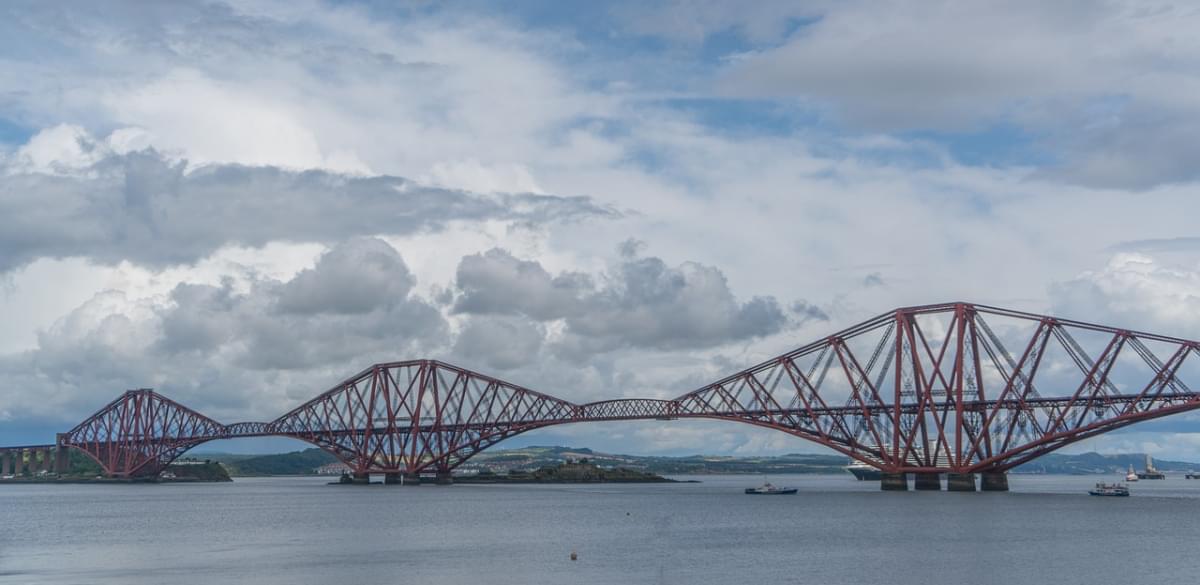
964, 390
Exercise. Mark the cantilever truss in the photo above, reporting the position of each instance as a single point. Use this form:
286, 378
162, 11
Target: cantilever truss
947, 388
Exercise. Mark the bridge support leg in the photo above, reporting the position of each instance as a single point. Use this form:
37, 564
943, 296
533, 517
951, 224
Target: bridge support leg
412, 479
960, 482
391, 479
444, 478
62, 461
893, 482
362, 478
928, 481
5, 463
993, 481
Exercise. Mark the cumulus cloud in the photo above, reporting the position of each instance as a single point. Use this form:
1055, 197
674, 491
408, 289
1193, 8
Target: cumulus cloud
355, 278
81, 199
1137, 291
234, 352
641, 302
497, 282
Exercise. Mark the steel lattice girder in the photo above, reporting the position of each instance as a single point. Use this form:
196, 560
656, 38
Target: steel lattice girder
919, 389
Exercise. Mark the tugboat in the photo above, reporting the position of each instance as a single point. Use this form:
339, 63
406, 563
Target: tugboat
1104, 489
1132, 475
767, 489
1150, 472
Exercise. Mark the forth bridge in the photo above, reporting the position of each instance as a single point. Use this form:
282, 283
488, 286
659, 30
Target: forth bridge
954, 390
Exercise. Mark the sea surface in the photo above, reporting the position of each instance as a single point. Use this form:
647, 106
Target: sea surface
835, 531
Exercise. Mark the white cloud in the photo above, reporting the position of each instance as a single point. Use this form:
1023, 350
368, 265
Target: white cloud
479, 105
1136, 291
208, 121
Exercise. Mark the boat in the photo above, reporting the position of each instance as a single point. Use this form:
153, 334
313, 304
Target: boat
1132, 475
1107, 489
863, 472
1192, 475
1150, 472
767, 489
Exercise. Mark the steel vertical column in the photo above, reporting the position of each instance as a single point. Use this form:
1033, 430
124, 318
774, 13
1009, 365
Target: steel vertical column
960, 315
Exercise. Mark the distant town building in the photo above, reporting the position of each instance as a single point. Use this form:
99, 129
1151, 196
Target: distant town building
335, 468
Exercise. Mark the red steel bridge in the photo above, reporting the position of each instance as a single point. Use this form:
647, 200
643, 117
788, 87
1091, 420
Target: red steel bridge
957, 389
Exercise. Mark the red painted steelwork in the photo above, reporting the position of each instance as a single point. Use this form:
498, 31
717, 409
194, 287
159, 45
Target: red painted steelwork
920, 389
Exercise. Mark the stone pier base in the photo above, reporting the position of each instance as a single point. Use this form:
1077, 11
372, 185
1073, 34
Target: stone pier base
993, 481
362, 478
391, 479
893, 482
444, 478
960, 482
928, 482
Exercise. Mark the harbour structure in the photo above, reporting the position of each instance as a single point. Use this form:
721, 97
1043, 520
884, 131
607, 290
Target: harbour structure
1150, 472
956, 390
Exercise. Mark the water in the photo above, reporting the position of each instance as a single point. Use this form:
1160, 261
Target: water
835, 531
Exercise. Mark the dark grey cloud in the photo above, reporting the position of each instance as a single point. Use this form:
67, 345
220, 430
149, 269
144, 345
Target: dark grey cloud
146, 209
1124, 145
1110, 119
357, 277
499, 342
806, 312
497, 282
641, 302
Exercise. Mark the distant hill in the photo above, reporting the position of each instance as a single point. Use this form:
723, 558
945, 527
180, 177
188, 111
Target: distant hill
1088, 463
295, 463
532, 458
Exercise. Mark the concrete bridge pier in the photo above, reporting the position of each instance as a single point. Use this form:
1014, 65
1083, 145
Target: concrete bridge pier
993, 481
5, 463
361, 477
401, 478
928, 482
444, 478
960, 482
893, 482
62, 461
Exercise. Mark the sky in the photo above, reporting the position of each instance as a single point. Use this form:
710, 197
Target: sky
241, 204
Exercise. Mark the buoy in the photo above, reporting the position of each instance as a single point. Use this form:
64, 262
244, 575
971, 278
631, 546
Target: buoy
574, 557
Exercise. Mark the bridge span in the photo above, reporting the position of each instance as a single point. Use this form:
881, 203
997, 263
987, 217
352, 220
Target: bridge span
965, 390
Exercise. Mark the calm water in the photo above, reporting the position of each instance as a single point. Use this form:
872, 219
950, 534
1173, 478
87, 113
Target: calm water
297, 531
